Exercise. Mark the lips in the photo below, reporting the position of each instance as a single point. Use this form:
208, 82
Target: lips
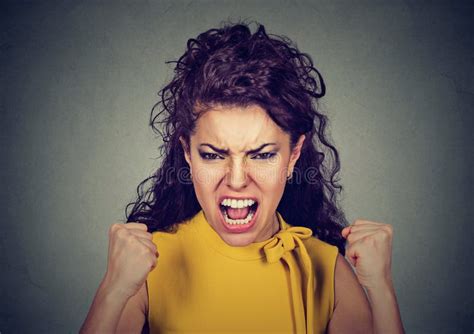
238, 213
223, 197
239, 228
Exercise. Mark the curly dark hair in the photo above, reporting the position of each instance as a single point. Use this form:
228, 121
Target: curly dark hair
231, 66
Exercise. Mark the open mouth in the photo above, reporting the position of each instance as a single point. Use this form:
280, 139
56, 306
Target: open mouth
238, 212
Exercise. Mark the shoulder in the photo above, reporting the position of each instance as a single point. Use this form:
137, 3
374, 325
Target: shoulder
316, 243
324, 256
172, 247
345, 278
164, 238
321, 252
351, 308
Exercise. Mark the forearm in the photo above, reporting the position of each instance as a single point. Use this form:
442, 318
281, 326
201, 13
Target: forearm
105, 312
385, 311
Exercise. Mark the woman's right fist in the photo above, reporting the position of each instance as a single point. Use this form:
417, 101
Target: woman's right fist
131, 256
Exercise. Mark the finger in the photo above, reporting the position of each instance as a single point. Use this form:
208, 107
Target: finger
346, 231
150, 245
137, 226
354, 252
365, 222
355, 236
354, 228
385, 230
352, 255
367, 225
141, 234
358, 228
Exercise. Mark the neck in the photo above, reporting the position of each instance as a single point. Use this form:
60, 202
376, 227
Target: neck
272, 230
276, 225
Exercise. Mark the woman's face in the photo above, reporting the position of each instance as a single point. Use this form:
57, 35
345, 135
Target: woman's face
239, 160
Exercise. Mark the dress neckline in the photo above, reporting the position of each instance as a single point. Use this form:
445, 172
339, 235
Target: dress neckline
253, 251
281, 247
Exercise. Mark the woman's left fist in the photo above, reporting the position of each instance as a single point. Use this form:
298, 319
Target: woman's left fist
369, 250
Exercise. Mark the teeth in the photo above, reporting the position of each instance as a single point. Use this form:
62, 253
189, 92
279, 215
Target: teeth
237, 204
238, 221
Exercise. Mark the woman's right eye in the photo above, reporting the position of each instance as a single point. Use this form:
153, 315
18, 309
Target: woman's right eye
209, 156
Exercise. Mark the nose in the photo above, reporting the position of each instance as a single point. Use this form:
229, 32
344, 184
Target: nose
236, 177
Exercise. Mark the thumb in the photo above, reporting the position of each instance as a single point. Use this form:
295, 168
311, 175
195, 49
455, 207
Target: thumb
346, 231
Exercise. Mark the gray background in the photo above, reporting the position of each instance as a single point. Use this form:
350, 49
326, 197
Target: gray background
80, 77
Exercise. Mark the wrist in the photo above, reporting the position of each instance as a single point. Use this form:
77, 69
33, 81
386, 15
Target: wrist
111, 292
379, 284
384, 290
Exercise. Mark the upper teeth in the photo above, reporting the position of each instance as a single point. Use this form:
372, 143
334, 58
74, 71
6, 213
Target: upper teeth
237, 204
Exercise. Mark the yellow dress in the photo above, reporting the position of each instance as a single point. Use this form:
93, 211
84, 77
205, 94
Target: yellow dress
203, 285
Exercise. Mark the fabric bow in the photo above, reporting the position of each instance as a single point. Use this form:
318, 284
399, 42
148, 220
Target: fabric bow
280, 247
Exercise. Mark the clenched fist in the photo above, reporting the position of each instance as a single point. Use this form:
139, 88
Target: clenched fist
369, 250
131, 256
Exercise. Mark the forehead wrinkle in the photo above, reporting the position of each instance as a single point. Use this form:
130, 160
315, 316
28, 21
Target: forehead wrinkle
214, 130
243, 141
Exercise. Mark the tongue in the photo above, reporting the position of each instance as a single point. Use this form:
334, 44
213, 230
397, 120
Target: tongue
238, 213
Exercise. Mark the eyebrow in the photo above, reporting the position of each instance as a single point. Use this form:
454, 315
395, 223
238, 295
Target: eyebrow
222, 151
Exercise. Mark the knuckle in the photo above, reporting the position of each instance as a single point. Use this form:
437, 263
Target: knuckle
142, 249
142, 225
152, 262
122, 233
113, 227
367, 240
383, 235
149, 235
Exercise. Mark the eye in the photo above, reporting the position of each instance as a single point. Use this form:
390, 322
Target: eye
264, 156
209, 156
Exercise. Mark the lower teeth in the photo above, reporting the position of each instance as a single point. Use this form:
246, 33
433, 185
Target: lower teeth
238, 221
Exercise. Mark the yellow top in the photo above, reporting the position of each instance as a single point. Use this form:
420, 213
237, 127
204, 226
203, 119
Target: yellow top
201, 284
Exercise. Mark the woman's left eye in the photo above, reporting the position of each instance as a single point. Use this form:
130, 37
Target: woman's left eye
209, 156
264, 156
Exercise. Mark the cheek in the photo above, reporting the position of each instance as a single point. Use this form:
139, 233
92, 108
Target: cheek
269, 176
207, 176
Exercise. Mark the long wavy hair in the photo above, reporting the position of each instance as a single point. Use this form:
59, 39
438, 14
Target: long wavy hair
233, 66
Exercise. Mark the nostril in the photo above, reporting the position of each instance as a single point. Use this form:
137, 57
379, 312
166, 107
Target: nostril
237, 180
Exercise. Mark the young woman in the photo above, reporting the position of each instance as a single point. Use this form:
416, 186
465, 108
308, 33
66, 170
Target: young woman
239, 230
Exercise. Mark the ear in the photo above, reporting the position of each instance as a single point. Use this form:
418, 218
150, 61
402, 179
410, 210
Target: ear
295, 154
186, 150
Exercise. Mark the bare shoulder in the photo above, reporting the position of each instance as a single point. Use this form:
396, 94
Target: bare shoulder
352, 313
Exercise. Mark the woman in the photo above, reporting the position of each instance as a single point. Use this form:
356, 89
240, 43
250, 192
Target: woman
239, 230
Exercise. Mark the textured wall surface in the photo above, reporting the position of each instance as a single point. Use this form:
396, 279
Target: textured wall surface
79, 78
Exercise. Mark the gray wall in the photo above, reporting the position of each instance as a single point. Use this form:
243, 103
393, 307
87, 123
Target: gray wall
79, 79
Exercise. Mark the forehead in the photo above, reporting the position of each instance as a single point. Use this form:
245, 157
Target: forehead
238, 127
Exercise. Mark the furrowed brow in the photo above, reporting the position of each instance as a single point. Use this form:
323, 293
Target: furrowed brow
218, 150
222, 151
260, 148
